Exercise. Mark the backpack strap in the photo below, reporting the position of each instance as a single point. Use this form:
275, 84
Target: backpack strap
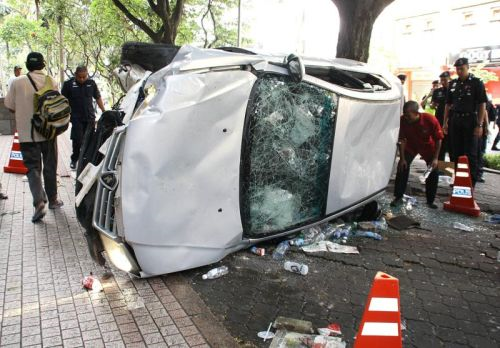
32, 82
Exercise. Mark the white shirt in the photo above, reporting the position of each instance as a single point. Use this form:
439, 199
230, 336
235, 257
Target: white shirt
20, 99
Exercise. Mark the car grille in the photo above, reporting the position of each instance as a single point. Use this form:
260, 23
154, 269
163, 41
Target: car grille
104, 209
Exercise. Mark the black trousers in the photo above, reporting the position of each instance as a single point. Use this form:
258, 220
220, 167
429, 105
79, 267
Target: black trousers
34, 154
464, 143
481, 151
431, 183
78, 129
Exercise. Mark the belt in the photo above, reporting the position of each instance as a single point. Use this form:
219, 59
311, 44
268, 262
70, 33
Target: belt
463, 114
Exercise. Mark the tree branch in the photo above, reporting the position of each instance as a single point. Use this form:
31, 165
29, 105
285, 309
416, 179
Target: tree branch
141, 24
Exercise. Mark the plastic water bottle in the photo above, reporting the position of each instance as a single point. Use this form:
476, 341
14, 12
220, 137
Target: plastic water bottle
216, 273
298, 242
378, 225
313, 235
461, 226
296, 267
281, 249
369, 234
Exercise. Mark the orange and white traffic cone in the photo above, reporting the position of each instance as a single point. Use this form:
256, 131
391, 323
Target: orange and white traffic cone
16, 164
462, 198
381, 323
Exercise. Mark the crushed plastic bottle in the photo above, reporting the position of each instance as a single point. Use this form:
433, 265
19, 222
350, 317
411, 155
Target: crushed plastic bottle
280, 251
258, 251
368, 234
298, 242
216, 273
296, 267
462, 227
313, 235
377, 225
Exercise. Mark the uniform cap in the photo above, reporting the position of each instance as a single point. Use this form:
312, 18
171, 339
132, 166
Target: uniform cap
461, 61
17, 67
435, 82
445, 74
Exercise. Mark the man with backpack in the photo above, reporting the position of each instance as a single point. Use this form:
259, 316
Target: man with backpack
80, 91
25, 99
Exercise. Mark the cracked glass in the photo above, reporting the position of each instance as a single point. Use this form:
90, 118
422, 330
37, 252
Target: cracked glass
286, 154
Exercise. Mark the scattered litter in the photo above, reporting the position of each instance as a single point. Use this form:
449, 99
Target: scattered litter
403, 222
92, 283
266, 335
313, 235
377, 225
258, 251
216, 273
280, 251
332, 329
286, 339
296, 267
332, 247
403, 325
462, 227
493, 219
296, 325
298, 242
409, 202
368, 234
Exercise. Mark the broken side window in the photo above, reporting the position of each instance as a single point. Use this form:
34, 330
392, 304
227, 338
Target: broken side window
286, 155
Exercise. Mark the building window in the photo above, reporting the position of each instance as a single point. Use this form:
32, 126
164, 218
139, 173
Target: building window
495, 14
468, 19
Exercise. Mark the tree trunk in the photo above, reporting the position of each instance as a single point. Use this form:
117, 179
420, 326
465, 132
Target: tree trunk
356, 23
61, 52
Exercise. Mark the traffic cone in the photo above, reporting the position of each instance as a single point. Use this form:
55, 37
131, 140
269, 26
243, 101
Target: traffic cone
381, 323
462, 198
16, 164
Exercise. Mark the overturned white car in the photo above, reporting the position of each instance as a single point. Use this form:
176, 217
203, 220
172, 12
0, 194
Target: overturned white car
220, 150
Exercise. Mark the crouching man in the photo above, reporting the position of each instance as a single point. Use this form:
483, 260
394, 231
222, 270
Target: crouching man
419, 133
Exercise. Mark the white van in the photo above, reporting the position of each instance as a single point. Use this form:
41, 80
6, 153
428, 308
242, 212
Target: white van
228, 149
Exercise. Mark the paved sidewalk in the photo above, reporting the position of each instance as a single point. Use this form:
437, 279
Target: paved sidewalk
42, 302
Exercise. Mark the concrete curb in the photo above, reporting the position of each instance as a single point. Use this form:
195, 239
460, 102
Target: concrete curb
212, 330
493, 171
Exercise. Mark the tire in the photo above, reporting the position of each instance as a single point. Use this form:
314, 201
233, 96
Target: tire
149, 56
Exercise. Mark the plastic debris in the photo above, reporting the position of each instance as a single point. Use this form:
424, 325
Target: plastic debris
313, 235
258, 251
332, 329
291, 324
296, 267
493, 219
286, 339
377, 225
462, 227
216, 273
298, 242
327, 246
280, 251
368, 234
265, 335
92, 283
409, 202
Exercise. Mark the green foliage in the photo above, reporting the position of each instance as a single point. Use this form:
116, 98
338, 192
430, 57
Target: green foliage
492, 161
483, 74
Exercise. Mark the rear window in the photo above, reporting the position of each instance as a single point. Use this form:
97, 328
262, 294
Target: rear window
286, 155
350, 79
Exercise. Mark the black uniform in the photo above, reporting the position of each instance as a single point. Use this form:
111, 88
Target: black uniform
80, 98
439, 98
464, 98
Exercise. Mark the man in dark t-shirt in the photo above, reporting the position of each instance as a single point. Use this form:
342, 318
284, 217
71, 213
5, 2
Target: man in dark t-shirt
81, 92
419, 133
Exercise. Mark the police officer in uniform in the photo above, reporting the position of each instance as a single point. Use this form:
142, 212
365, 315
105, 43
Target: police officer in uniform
439, 103
80, 91
466, 99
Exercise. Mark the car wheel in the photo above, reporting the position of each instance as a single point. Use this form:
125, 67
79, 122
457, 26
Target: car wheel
149, 56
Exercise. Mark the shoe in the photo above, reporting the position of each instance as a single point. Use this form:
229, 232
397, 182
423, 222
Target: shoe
56, 204
396, 202
481, 180
72, 165
40, 212
432, 205
495, 149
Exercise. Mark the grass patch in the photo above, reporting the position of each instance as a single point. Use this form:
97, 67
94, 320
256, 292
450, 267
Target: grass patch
492, 161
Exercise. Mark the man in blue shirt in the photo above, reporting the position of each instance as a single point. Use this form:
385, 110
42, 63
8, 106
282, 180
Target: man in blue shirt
81, 92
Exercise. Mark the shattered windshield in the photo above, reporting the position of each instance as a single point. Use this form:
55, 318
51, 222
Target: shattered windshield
286, 154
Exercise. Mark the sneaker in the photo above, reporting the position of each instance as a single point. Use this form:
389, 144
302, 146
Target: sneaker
432, 205
40, 212
396, 202
56, 204
481, 179
72, 165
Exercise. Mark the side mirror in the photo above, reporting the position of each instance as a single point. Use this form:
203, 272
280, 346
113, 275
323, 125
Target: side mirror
295, 67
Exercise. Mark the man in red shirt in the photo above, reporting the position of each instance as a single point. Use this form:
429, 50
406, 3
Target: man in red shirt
419, 133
